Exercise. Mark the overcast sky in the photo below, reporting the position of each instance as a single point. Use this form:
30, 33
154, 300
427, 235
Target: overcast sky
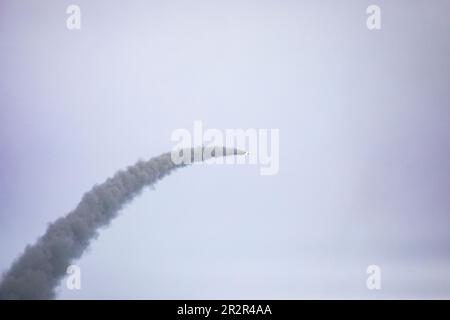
364, 119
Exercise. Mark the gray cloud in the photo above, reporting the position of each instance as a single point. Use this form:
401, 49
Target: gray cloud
39, 270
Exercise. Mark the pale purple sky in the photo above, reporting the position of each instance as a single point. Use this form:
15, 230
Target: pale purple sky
364, 119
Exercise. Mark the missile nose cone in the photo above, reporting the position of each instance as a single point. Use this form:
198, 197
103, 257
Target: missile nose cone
240, 152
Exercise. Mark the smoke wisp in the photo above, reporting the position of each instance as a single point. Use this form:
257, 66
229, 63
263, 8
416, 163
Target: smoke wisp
38, 271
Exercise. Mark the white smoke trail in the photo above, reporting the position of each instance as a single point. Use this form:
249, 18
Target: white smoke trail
38, 271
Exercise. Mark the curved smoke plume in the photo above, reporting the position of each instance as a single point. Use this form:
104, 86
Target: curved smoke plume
38, 271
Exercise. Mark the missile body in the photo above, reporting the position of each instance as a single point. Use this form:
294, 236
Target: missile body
187, 156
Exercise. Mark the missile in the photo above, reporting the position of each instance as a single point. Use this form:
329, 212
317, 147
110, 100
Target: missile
198, 154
